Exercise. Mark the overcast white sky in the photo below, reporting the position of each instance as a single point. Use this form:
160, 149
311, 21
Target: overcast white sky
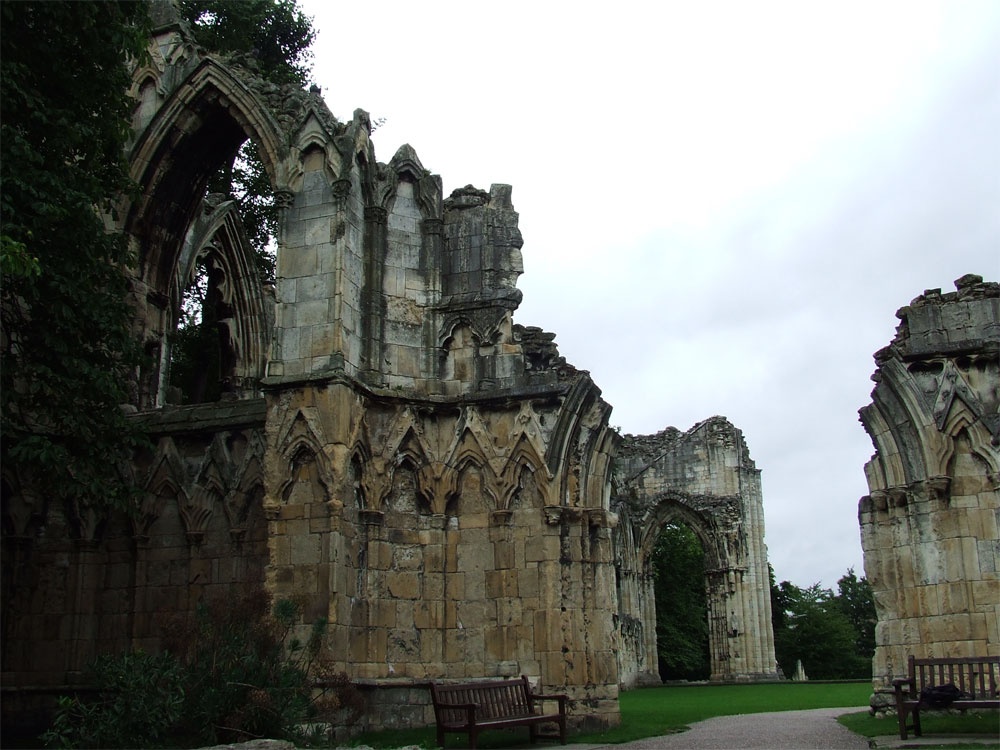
723, 203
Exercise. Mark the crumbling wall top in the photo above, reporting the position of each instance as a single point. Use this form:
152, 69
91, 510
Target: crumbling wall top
965, 320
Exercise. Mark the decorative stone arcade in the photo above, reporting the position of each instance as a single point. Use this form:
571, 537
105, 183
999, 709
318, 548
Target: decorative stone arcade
929, 526
436, 481
389, 448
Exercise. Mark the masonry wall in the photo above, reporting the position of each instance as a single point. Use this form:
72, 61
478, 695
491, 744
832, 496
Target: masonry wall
77, 585
703, 478
929, 526
426, 475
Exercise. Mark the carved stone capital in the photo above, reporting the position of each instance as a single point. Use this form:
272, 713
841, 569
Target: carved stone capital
555, 514
501, 517
601, 518
284, 199
376, 215
431, 226
340, 189
898, 497
939, 488
880, 501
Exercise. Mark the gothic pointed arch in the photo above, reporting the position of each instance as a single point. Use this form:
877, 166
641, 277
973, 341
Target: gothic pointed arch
705, 479
198, 129
525, 467
673, 507
167, 472
216, 245
934, 414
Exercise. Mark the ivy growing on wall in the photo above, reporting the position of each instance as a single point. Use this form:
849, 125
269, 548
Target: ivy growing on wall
66, 343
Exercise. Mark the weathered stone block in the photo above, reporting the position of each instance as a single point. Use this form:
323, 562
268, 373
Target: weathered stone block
501, 583
304, 549
403, 585
429, 614
433, 586
503, 555
455, 587
539, 548
527, 582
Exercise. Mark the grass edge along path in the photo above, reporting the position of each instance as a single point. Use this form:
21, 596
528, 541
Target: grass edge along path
650, 712
933, 723
667, 709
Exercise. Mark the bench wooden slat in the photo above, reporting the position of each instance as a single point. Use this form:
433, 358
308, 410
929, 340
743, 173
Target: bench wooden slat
977, 677
492, 704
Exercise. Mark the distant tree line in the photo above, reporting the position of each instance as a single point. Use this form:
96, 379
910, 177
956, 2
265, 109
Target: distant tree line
832, 634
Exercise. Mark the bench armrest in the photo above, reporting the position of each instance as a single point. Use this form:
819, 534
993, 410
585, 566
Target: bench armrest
561, 697
903, 689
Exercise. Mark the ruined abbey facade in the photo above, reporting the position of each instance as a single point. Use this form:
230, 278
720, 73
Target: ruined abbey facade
389, 448
930, 526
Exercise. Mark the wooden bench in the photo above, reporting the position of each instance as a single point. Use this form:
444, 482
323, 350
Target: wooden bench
473, 707
976, 677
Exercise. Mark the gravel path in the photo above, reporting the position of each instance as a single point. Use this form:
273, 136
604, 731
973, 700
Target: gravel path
789, 730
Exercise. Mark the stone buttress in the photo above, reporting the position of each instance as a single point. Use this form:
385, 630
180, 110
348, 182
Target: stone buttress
929, 525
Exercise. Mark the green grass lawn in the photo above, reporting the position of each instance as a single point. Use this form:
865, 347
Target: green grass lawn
663, 710
931, 723
651, 712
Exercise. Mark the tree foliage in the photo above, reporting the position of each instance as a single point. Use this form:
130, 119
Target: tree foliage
68, 353
681, 608
833, 635
274, 38
276, 34
857, 602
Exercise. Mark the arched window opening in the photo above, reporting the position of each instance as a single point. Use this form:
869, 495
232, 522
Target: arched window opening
678, 566
202, 360
207, 342
246, 181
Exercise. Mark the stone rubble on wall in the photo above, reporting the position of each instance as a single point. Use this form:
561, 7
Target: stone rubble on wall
391, 450
929, 525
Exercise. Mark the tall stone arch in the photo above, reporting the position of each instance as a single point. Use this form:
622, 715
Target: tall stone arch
429, 478
929, 523
705, 479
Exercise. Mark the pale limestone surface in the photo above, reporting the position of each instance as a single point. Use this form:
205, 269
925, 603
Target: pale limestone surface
392, 451
929, 526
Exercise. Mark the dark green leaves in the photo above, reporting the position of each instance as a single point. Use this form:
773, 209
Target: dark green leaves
832, 635
681, 608
68, 349
273, 33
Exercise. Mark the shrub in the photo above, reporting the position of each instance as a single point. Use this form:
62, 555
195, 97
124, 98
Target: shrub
231, 672
141, 700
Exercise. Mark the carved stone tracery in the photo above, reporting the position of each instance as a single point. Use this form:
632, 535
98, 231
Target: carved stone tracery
430, 479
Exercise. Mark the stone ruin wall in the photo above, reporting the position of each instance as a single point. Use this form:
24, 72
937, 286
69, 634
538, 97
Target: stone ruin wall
391, 450
703, 478
76, 584
930, 525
